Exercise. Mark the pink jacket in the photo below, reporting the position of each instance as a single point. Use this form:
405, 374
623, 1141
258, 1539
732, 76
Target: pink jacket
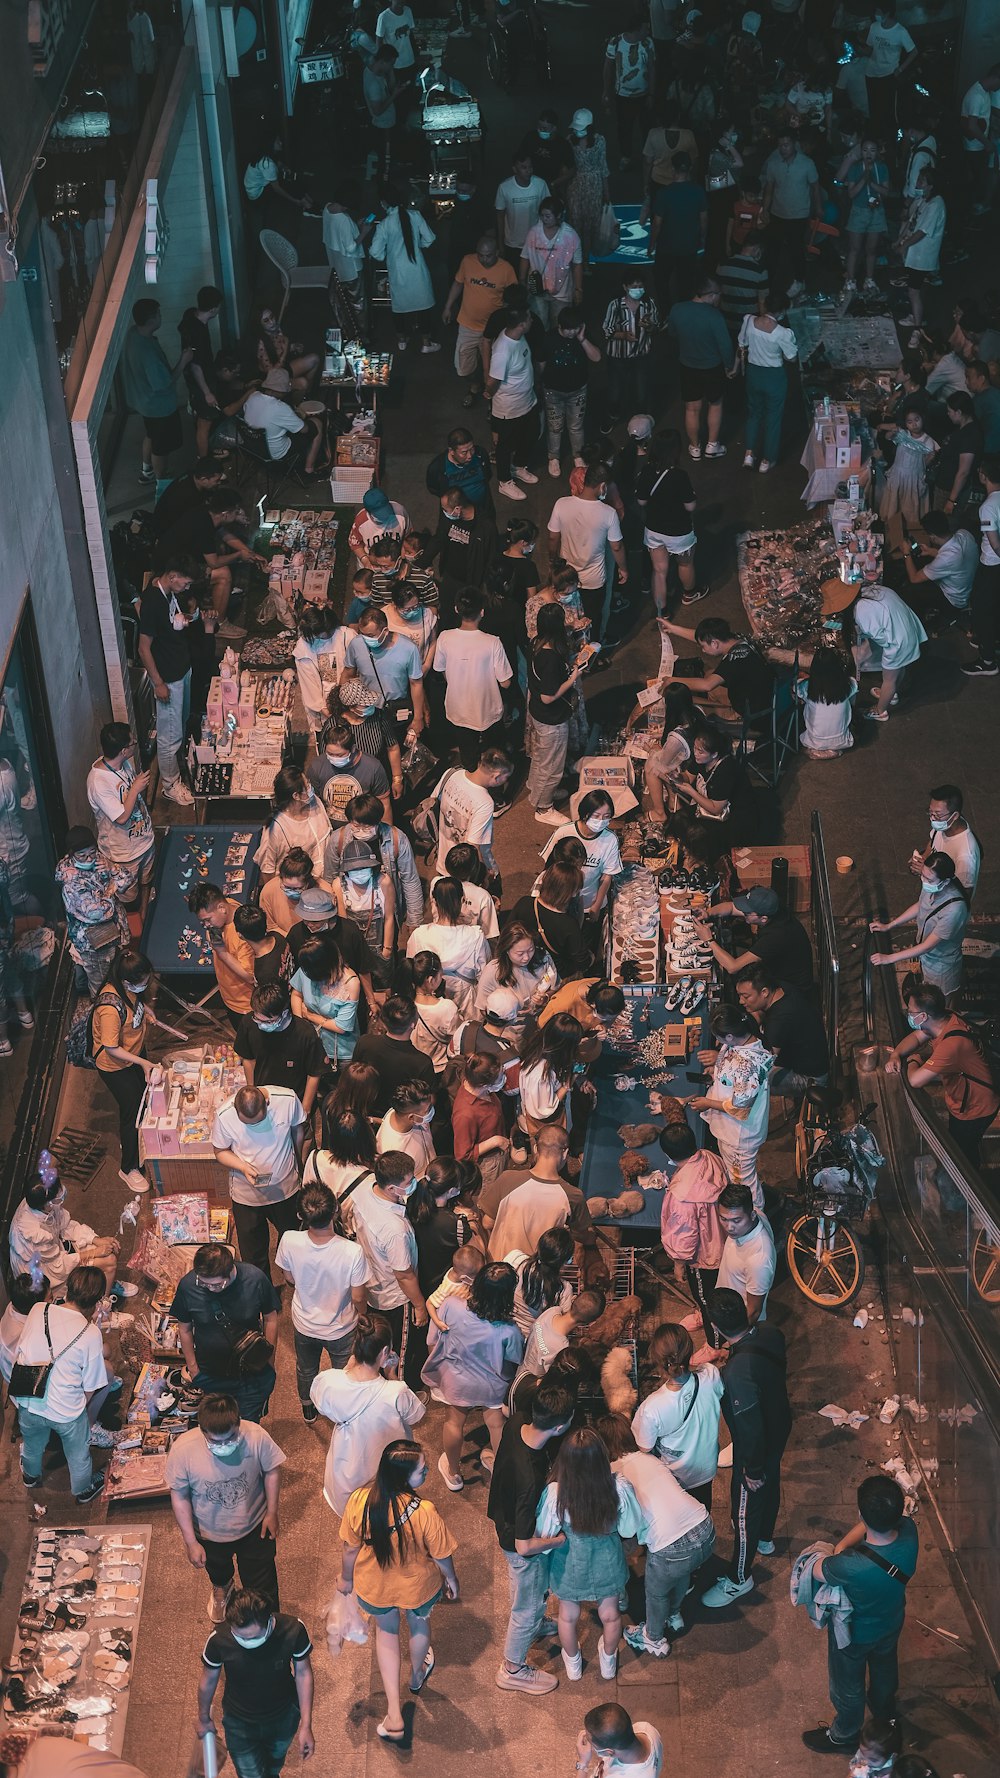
689, 1222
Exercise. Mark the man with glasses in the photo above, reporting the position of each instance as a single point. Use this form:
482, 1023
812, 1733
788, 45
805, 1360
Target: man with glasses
215, 1304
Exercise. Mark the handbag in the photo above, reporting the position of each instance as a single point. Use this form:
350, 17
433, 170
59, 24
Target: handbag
28, 1382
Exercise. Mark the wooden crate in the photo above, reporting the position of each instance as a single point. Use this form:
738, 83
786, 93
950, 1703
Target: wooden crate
753, 867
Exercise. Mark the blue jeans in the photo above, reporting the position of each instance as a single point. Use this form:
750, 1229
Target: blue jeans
766, 388
668, 1575
529, 1582
171, 722
251, 1394
846, 1668
257, 1747
567, 410
75, 1438
309, 1351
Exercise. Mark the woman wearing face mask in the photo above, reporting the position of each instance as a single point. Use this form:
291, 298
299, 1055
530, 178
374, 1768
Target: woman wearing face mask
604, 860
473, 1363
364, 893
407, 616
941, 913
664, 762
462, 950
406, 1126
367, 1407
593, 1509
442, 1223
326, 993
299, 820
737, 1103
552, 682
437, 1016
630, 323
119, 1022
44, 1238
318, 658
516, 566
396, 1552
477, 1117
523, 964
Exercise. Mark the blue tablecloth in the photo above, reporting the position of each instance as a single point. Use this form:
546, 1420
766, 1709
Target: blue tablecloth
189, 856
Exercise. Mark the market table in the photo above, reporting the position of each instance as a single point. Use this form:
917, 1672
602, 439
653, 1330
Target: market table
849, 342
173, 940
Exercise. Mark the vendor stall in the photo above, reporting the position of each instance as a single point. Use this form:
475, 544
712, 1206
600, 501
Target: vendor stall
175, 943
176, 1124
245, 736
138, 1467
835, 342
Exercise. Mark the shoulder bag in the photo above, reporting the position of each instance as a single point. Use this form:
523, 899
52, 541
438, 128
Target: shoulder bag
880, 1562
28, 1382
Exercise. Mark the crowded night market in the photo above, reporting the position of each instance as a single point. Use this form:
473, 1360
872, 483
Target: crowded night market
499, 902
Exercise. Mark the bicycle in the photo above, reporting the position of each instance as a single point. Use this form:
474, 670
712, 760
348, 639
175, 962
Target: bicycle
516, 31
837, 1169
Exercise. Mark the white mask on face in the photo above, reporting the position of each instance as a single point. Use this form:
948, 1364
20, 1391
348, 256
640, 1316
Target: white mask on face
254, 1641
597, 824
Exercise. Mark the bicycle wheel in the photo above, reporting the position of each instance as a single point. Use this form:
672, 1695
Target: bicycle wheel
829, 1270
986, 1267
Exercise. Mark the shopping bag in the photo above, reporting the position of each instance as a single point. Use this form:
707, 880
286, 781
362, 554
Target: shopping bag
344, 1622
608, 233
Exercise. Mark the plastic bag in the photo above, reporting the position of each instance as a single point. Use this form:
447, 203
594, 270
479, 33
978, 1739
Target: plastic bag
608, 233
344, 1622
418, 762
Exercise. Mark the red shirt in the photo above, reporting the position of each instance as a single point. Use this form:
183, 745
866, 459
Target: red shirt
474, 1121
746, 217
968, 1087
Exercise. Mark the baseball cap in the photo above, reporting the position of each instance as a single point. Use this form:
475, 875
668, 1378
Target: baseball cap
641, 426
316, 904
277, 381
379, 507
503, 1004
757, 901
357, 855
581, 121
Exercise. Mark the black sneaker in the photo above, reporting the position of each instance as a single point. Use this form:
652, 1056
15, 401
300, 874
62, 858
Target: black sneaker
310, 1414
31, 1481
981, 670
695, 596
821, 1741
92, 1492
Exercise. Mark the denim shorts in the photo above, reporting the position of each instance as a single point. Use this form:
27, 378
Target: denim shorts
413, 1613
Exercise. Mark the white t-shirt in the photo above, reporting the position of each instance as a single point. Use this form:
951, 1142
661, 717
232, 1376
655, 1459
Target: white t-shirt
748, 1263
586, 527
107, 788
268, 1146
954, 568
827, 727
633, 66
478, 908
888, 45
389, 1245
416, 1143
396, 29
964, 848
464, 954
267, 414
888, 622
474, 667
467, 811
79, 1366
324, 1274
258, 176
930, 216
343, 244
367, 1415
604, 857
647, 1768
519, 204
923, 155
976, 103
989, 520
667, 1511
435, 1024
687, 1442
511, 366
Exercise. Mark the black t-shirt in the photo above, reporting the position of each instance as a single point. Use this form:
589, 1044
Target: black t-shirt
396, 1062
959, 442
548, 158
276, 965
755, 1398
196, 338
566, 363
564, 940
219, 1318
518, 1483
666, 494
520, 577
793, 1029
747, 676
547, 671
171, 648
437, 1242
193, 534
281, 1058
174, 502
783, 947
728, 783
259, 1681
346, 936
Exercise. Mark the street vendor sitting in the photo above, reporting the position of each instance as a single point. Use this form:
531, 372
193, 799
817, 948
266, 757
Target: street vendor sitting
45, 1239
735, 663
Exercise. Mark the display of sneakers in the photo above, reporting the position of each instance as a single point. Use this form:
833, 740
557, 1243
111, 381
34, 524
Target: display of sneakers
692, 999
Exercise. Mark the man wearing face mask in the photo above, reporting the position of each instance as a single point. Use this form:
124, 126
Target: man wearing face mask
365, 822
549, 153
951, 833
223, 1478
941, 915
281, 896
581, 530
389, 1243
258, 1134
269, 1685
341, 772
940, 1047
390, 665
214, 1305
277, 1049
166, 613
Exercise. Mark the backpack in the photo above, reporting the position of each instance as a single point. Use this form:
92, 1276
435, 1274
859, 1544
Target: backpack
425, 822
80, 1052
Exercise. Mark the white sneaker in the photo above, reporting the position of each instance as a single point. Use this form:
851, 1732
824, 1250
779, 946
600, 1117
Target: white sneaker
551, 817
579, 462
795, 289
554, 468
726, 1592
135, 1180
748, 459
609, 1663
511, 491
715, 450
431, 346
694, 452
765, 1546
763, 467
525, 475
726, 1457
177, 793
573, 1664
454, 1483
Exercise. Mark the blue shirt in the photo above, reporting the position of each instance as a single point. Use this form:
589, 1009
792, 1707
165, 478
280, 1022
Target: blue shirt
387, 669
680, 207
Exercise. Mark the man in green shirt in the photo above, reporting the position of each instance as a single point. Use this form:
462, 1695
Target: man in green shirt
705, 351
150, 389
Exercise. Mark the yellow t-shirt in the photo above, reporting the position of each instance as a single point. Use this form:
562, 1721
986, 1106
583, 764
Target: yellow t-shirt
571, 998
415, 1579
482, 290
235, 994
110, 1029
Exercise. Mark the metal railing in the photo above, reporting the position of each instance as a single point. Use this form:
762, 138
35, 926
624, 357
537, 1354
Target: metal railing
824, 930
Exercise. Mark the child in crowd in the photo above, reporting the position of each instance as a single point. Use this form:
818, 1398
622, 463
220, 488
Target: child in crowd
457, 1281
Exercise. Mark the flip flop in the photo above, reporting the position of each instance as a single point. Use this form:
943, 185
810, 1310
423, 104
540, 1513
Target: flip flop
428, 1668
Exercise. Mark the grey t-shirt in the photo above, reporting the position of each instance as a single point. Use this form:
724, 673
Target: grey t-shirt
226, 1493
793, 181
701, 334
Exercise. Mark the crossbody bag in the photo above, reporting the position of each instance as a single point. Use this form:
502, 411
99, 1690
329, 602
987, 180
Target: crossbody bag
880, 1562
28, 1382
664, 1450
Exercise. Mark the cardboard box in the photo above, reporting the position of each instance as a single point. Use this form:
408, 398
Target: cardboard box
753, 866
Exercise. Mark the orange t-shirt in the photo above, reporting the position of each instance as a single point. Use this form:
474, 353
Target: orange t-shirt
235, 994
968, 1087
482, 290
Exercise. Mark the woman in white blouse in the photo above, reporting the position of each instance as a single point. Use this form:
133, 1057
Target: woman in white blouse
461, 950
763, 349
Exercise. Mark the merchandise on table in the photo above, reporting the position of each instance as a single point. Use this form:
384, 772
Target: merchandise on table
182, 1217
863, 393
635, 928
138, 1465
781, 576
194, 1085
71, 1662
174, 943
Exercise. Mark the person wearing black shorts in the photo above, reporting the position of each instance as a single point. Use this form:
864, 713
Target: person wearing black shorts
703, 345
198, 364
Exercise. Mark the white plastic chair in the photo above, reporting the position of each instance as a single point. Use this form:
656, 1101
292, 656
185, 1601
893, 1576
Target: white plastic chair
293, 276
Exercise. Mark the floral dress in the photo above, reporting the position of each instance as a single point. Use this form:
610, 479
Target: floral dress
585, 192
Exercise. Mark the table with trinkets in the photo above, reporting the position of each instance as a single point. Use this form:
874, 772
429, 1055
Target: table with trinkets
174, 940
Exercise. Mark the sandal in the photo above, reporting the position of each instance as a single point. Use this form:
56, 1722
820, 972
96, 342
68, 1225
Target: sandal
425, 1672
385, 1734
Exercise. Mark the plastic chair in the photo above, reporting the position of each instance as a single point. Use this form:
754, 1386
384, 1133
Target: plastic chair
293, 276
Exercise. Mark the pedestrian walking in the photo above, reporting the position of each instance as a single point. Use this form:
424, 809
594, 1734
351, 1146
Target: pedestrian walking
223, 1478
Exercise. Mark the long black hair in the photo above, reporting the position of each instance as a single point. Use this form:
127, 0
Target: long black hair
556, 1043
541, 1275
383, 1523
396, 200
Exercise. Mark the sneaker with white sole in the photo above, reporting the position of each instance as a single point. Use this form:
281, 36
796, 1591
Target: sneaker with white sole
135, 1179
748, 459
726, 1592
487, 1458
551, 817
431, 346
525, 1679
217, 1601
765, 1546
726, 1457
573, 1664
694, 452
454, 1483
715, 450
525, 475
608, 1662
555, 468
763, 467
26, 1019
676, 1624
121, 1289
643, 1645
981, 670
177, 793
511, 491
230, 632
